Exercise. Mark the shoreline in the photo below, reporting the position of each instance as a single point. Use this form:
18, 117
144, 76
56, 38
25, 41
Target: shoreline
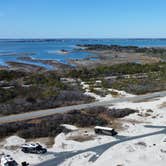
98, 55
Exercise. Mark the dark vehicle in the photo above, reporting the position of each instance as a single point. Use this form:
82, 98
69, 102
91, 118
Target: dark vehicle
33, 148
105, 131
7, 160
24, 163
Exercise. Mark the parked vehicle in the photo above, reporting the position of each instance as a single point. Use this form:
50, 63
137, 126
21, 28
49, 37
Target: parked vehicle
7, 160
25, 163
105, 130
33, 148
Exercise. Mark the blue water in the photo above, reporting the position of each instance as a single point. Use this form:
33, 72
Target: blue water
11, 50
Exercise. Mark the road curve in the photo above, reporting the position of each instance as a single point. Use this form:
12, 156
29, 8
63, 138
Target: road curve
48, 112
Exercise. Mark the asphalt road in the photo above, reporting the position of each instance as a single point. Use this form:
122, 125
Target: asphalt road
48, 112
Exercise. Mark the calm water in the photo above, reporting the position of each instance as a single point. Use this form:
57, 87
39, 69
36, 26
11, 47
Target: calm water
12, 50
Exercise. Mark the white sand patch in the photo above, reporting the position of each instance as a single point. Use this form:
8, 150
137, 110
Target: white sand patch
155, 104
139, 144
69, 127
85, 86
14, 141
80, 160
134, 154
120, 94
61, 143
150, 111
97, 97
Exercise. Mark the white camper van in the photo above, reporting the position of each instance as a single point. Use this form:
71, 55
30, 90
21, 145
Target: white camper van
105, 130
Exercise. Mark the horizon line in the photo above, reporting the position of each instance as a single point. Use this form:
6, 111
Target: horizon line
85, 38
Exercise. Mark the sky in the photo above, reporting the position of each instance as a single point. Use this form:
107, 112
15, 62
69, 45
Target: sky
82, 18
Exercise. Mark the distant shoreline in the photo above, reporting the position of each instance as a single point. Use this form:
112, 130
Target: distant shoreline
83, 38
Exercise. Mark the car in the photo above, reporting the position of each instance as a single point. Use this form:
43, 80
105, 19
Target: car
7, 160
33, 148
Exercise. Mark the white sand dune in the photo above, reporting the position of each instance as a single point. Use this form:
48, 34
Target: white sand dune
141, 142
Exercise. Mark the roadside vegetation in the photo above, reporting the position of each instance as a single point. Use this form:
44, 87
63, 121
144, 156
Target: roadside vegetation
23, 92
153, 82
51, 126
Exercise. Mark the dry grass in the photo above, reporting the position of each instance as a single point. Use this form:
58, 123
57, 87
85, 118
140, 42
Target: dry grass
144, 114
133, 122
34, 121
114, 93
105, 117
81, 138
48, 141
115, 123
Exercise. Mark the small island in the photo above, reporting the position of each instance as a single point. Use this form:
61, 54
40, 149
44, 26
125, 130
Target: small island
63, 51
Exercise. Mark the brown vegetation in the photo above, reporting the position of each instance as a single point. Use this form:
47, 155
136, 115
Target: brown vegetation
51, 126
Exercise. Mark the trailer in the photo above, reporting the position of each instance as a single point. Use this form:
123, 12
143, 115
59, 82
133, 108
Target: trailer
105, 131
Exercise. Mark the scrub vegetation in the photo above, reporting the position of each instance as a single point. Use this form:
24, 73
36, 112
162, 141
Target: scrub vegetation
130, 77
51, 125
23, 92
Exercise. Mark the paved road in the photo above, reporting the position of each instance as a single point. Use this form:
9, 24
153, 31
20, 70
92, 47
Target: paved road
47, 112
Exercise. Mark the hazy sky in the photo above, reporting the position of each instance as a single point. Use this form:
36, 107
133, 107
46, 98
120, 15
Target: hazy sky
82, 18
